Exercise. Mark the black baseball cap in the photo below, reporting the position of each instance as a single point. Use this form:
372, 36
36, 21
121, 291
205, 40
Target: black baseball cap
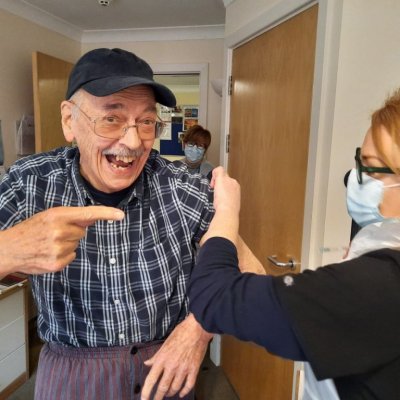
102, 72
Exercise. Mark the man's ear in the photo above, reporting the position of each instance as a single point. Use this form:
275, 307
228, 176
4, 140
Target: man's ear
66, 120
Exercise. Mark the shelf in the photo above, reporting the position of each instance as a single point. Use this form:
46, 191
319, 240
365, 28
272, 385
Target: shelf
11, 282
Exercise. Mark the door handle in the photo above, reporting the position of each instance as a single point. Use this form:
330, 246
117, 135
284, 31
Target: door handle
291, 264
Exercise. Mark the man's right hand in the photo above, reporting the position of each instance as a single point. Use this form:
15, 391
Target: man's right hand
47, 241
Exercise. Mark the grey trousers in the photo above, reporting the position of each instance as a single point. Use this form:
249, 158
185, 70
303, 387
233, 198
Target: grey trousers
111, 373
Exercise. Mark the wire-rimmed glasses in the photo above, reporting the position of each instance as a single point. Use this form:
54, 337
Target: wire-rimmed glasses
114, 127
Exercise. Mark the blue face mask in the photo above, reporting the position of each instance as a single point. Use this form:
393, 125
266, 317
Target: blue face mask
363, 199
194, 153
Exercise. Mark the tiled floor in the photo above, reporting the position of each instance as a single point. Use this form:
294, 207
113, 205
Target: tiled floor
25, 392
212, 383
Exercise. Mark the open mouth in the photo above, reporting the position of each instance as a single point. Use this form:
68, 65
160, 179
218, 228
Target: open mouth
120, 162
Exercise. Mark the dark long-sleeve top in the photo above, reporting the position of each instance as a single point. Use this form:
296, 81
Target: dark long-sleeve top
343, 318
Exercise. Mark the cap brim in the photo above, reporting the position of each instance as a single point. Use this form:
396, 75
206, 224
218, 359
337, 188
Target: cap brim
106, 86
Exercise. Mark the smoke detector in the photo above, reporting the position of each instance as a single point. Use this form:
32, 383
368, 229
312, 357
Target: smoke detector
105, 3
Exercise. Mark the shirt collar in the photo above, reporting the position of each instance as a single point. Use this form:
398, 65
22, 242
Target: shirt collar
84, 196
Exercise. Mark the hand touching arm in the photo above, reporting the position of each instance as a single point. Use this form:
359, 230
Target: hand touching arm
176, 365
226, 220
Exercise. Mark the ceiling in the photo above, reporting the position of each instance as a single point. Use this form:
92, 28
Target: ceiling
89, 15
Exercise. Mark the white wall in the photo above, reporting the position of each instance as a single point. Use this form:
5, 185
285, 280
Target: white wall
19, 39
369, 69
241, 12
185, 52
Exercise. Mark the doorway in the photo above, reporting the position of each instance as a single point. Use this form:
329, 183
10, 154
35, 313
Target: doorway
185, 114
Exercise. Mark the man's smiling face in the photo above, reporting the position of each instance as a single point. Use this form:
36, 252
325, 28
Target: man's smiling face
108, 164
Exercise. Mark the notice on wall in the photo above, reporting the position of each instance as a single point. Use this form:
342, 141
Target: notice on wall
190, 116
166, 115
25, 139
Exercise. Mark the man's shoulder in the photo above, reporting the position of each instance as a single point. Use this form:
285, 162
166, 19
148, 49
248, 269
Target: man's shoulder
46, 164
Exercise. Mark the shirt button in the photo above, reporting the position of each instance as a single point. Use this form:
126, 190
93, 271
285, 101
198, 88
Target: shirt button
110, 221
134, 350
137, 388
116, 302
113, 261
121, 336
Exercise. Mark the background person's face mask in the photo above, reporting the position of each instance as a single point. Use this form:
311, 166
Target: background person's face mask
194, 153
363, 199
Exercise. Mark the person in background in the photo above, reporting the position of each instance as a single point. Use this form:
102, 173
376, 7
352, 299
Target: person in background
343, 319
195, 141
106, 232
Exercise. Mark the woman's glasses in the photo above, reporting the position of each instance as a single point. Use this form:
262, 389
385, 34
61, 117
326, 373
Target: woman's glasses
362, 168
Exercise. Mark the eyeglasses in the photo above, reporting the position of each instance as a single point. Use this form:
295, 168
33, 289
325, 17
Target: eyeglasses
200, 146
112, 126
361, 168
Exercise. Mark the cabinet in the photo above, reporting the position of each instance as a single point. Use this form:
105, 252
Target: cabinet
14, 360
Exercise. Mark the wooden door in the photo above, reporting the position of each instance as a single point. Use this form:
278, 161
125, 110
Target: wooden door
269, 134
50, 78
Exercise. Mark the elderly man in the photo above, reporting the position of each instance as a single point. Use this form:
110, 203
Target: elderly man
107, 230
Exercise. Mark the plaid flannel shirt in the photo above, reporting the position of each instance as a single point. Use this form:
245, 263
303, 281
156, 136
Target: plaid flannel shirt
128, 281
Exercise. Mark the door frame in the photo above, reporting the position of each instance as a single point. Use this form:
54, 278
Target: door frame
322, 116
181, 69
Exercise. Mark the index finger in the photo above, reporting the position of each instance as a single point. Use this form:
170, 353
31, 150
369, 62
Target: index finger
85, 216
